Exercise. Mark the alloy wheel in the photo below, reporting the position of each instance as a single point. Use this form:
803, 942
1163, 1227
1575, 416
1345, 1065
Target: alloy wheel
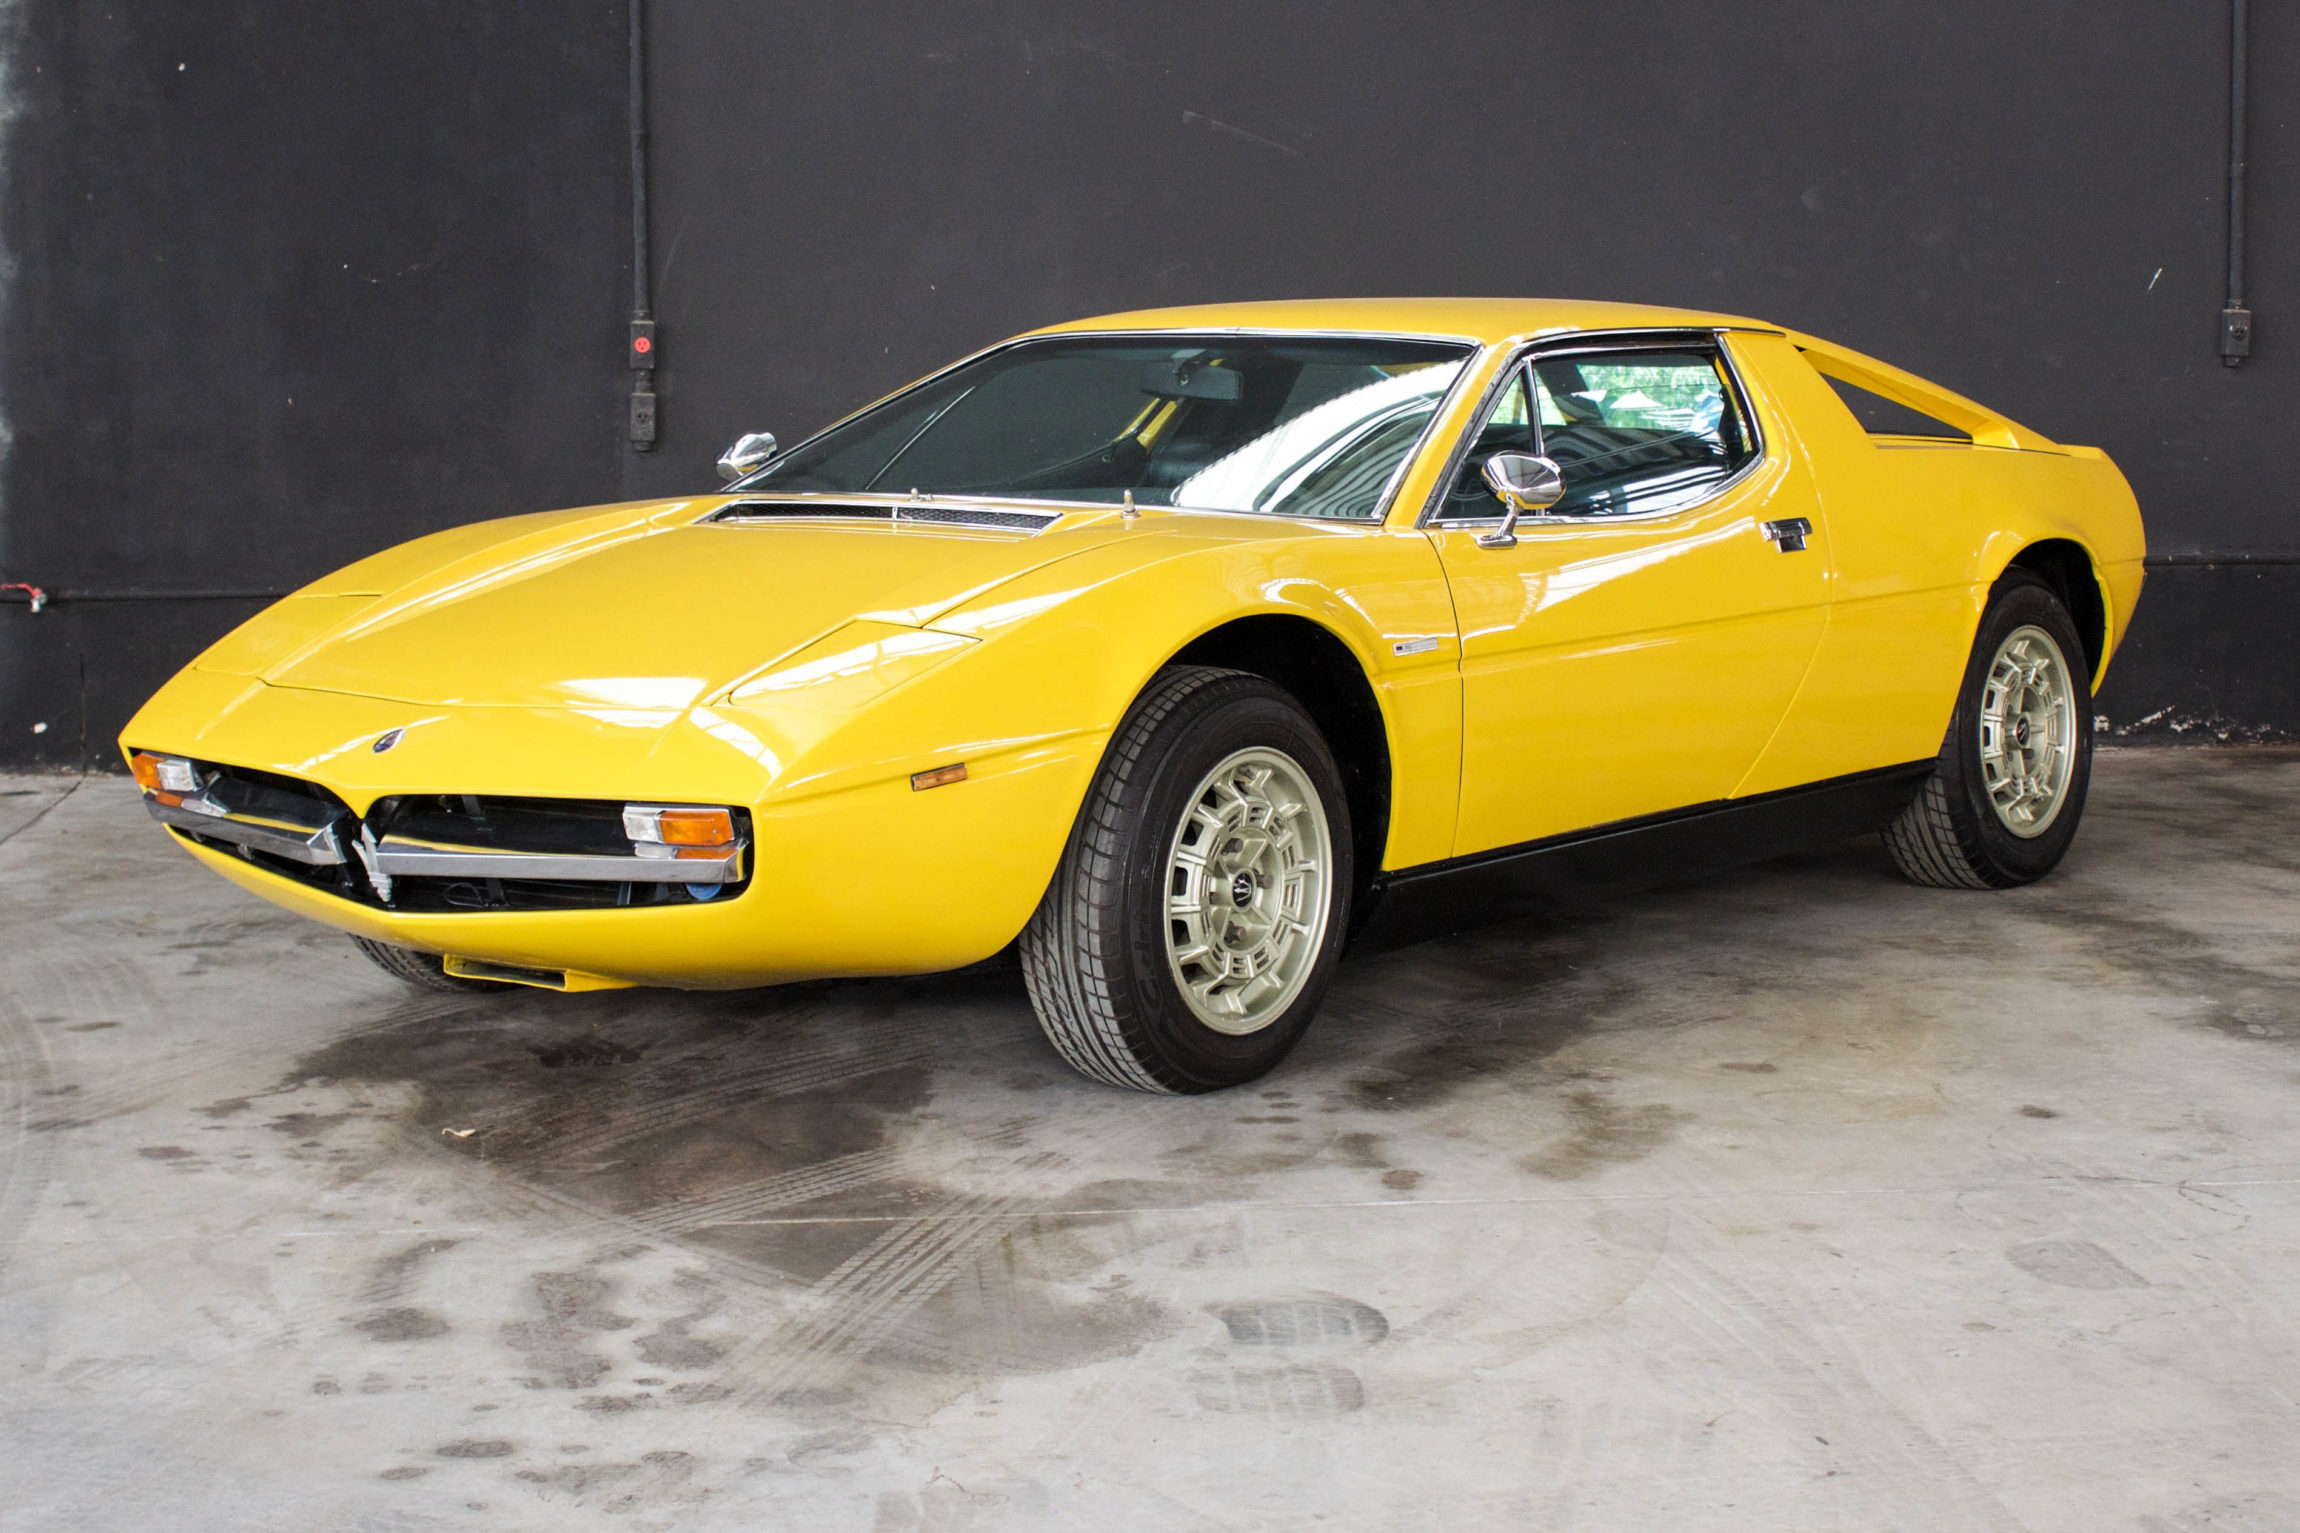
1248, 890
2028, 728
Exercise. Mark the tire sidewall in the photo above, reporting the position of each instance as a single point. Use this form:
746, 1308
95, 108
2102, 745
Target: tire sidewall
2018, 601
1229, 716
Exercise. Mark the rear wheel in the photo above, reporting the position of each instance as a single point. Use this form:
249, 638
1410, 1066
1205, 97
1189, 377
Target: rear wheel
2003, 802
425, 971
1198, 913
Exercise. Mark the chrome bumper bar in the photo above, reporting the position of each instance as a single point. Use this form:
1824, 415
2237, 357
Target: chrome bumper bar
314, 845
399, 857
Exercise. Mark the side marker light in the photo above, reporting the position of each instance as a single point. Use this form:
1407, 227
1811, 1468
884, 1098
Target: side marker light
938, 777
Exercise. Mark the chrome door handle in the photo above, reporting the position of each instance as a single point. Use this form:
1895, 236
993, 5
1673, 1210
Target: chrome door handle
1790, 533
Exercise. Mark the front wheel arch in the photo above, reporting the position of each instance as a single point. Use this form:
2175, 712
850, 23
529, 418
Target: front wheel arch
1312, 664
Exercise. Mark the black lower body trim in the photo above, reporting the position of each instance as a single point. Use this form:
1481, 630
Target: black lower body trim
1564, 871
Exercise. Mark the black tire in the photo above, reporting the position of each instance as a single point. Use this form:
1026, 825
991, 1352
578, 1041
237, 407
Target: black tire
425, 971
1095, 955
1951, 836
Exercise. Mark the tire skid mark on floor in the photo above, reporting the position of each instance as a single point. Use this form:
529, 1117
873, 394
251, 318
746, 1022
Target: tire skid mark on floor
1829, 1397
862, 1301
1108, 1407
106, 989
27, 1159
552, 1206
749, 1200
2136, 1219
81, 987
666, 1074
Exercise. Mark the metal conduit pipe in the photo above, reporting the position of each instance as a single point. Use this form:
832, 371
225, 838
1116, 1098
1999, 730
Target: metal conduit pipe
2235, 318
644, 356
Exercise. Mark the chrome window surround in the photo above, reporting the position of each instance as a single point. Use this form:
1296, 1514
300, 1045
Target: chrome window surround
1601, 342
1278, 332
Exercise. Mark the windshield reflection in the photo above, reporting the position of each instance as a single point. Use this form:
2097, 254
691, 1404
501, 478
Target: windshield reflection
1312, 426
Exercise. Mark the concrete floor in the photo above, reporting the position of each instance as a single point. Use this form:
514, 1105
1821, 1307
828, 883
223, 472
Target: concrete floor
1800, 1199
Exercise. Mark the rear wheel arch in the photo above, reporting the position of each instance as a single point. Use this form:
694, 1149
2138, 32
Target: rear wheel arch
2067, 566
1320, 671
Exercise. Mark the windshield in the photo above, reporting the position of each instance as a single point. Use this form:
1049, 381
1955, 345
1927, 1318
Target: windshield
1287, 425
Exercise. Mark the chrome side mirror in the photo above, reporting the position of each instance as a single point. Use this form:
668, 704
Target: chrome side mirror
750, 450
1523, 483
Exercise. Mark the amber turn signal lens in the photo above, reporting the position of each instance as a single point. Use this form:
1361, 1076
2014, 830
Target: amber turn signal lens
164, 775
940, 776
665, 825
696, 827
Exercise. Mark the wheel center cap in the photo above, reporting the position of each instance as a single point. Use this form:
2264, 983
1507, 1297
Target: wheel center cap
2020, 731
1242, 890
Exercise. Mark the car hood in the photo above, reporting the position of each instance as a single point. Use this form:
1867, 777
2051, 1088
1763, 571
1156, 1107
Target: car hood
652, 609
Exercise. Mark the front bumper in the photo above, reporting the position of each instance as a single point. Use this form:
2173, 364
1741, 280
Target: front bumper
318, 841
849, 877
426, 852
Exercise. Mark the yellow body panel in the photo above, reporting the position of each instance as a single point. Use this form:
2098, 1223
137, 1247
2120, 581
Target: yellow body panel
806, 670
1613, 671
1918, 530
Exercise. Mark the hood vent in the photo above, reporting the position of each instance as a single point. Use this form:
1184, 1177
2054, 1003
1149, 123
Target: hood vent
908, 512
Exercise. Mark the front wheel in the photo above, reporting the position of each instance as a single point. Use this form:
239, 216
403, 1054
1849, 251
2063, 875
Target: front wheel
1199, 910
2008, 788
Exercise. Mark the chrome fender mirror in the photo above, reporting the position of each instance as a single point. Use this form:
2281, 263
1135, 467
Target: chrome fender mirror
1523, 483
750, 450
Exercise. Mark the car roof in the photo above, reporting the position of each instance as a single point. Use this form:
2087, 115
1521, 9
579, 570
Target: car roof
1479, 319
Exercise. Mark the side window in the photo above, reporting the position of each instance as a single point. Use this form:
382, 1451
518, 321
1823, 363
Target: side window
1633, 431
1880, 416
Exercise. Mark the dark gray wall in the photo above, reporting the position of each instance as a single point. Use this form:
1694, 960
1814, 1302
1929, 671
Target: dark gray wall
291, 283
413, 221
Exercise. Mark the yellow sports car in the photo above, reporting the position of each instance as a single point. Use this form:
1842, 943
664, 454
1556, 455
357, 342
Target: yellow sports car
1182, 648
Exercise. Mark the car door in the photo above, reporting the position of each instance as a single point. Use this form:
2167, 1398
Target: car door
1632, 650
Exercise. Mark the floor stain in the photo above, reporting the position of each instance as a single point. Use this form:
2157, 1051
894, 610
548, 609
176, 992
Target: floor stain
557, 1345
307, 1125
673, 1344
592, 1051
1602, 1133
2073, 1264
649, 1482
402, 1324
2256, 1511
